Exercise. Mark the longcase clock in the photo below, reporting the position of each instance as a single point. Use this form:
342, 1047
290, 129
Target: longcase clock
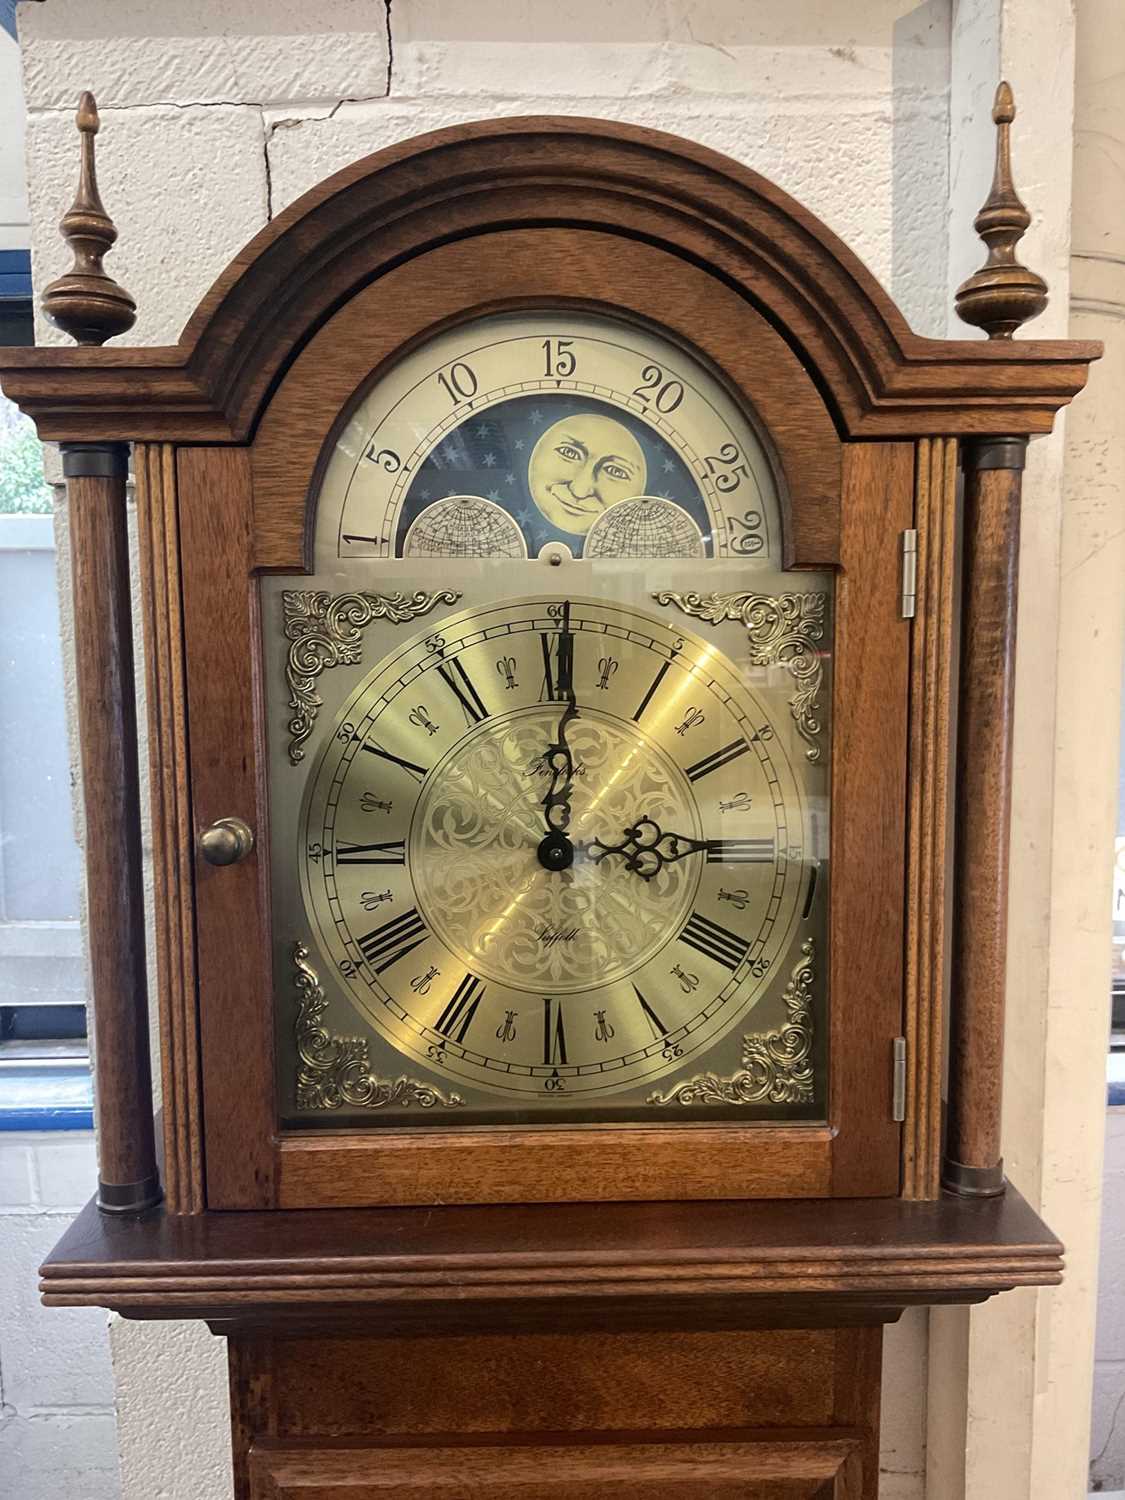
547, 536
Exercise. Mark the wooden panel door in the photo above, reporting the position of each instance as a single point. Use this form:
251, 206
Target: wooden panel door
250, 1164
847, 505
757, 1414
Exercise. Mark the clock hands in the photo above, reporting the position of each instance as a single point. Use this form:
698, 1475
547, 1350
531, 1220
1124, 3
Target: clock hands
559, 760
646, 848
556, 851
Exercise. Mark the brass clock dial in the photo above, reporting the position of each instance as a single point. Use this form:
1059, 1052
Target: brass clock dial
555, 848
558, 849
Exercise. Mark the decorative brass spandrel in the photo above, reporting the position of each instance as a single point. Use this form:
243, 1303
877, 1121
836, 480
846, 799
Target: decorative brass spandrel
323, 630
776, 1064
335, 1071
783, 630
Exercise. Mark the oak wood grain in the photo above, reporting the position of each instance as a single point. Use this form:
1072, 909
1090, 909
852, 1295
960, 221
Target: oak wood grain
803, 1397
886, 1251
867, 866
253, 1406
692, 1469
857, 1386
540, 1164
513, 1381
172, 832
223, 655
983, 815
930, 820
345, 1405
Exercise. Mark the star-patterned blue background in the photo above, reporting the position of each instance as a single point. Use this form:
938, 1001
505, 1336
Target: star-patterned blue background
488, 455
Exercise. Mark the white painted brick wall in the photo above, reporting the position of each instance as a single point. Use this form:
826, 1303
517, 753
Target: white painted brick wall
209, 123
218, 114
57, 1429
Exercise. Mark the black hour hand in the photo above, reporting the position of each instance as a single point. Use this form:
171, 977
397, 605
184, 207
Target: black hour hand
646, 848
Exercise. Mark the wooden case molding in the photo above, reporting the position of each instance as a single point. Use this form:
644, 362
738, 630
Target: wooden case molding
880, 379
580, 1349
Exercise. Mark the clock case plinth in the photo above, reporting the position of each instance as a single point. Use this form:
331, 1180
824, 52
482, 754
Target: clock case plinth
721, 1334
565, 1347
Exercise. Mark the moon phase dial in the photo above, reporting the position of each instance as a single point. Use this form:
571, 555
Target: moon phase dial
556, 850
517, 431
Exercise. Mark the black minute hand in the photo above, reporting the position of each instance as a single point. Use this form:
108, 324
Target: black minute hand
557, 757
560, 763
556, 852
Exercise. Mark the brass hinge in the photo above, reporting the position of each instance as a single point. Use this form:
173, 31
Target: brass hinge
909, 573
898, 1079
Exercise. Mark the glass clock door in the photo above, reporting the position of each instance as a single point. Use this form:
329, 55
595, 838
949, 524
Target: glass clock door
549, 750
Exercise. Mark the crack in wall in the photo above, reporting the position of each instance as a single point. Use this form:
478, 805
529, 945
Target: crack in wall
125, 109
291, 122
261, 105
267, 136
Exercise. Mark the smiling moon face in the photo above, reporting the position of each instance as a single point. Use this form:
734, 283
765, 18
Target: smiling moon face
580, 466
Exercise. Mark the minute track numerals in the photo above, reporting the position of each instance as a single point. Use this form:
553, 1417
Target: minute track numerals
554, 984
623, 412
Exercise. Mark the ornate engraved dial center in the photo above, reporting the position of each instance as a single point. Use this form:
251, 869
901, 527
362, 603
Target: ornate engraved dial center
479, 878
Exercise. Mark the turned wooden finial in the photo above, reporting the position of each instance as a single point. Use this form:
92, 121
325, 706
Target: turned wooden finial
1002, 294
87, 303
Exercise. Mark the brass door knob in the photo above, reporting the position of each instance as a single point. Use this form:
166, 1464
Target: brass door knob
226, 841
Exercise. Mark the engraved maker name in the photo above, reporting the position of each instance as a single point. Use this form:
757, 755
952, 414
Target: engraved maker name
540, 766
549, 936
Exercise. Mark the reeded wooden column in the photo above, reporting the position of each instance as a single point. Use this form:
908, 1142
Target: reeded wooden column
993, 475
89, 305
1000, 298
95, 480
